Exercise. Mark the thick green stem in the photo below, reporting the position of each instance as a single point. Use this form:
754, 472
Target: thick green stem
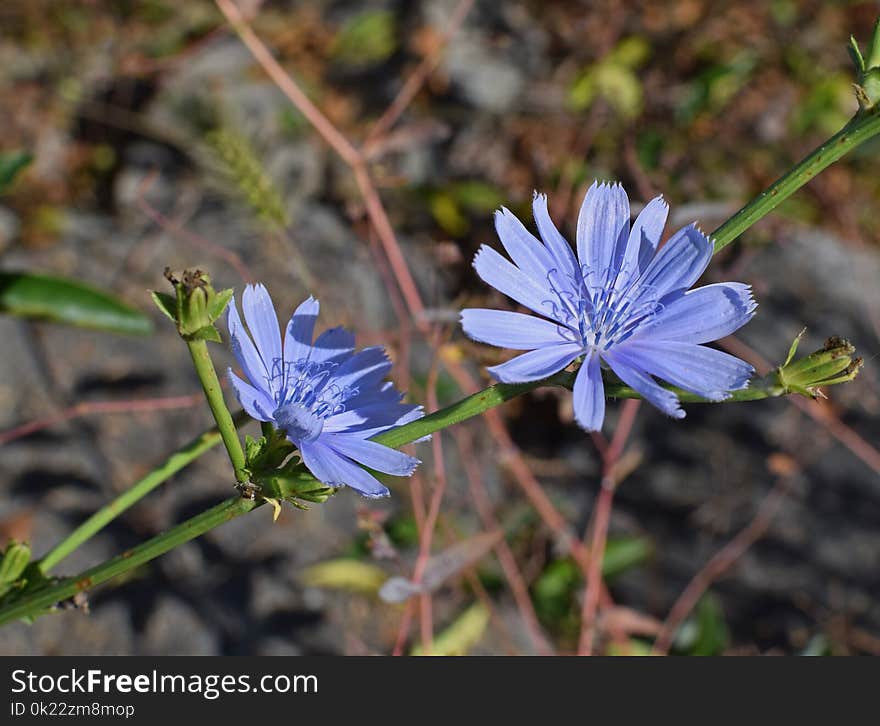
478, 403
198, 349
859, 129
50, 594
100, 519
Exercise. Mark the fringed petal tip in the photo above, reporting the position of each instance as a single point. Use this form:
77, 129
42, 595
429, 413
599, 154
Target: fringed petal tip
378, 494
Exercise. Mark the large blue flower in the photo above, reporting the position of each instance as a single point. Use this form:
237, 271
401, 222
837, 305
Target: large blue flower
620, 302
329, 399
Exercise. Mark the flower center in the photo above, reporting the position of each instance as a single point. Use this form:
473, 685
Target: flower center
305, 395
597, 310
298, 422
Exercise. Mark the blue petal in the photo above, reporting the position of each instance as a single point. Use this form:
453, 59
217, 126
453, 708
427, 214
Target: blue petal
589, 395
556, 244
374, 419
335, 344
244, 351
364, 369
335, 470
369, 453
259, 313
523, 247
647, 231
629, 371
507, 278
537, 364
376, 426
678, 264
384, 394
300, 424
300, 329
512, 330
703, 315
602, 231
704, 371
257, 404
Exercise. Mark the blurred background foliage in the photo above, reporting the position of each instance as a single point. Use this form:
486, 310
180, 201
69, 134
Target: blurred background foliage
114, 111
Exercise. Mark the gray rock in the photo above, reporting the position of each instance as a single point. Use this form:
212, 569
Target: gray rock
176, 629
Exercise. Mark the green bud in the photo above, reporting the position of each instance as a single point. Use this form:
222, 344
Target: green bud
873, 59
833, 363
195, 306
870, 87
266, 454
293, 484
13, 563
867, 70
855, 53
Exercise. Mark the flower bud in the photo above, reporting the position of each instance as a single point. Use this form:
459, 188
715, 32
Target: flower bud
868, 69
833, 363
13, 563
195, 305
293, 484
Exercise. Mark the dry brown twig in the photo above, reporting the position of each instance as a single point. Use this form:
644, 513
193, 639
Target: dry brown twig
610, 456
723, 560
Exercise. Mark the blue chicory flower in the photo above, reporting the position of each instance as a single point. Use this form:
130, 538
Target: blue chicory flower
620, 303
329, 399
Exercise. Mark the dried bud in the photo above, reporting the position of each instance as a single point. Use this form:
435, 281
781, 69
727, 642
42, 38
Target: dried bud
195, 306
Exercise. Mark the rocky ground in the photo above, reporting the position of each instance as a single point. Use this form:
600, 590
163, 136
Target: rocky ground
120, 107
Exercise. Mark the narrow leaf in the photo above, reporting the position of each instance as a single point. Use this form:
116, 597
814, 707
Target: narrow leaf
344, 574
11, 164
166, 303
462, 635
59, 300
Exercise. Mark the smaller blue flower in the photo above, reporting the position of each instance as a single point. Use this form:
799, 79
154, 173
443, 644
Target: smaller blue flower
622, 302
327, 398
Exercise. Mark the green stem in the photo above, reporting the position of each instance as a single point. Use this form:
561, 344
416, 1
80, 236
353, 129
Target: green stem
49, 595
198, 349
478, 403
469, 407
100, 519
859, 129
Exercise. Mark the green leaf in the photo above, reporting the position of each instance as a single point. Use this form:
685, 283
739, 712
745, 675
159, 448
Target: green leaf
622, 553
794, 346
345, 574
59, 300
462, 635
477, 196
873, 58
11, 164
368, 38
217, 303
447, 213
705, 632
12, 564
856, 55
632, 647
166, 303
